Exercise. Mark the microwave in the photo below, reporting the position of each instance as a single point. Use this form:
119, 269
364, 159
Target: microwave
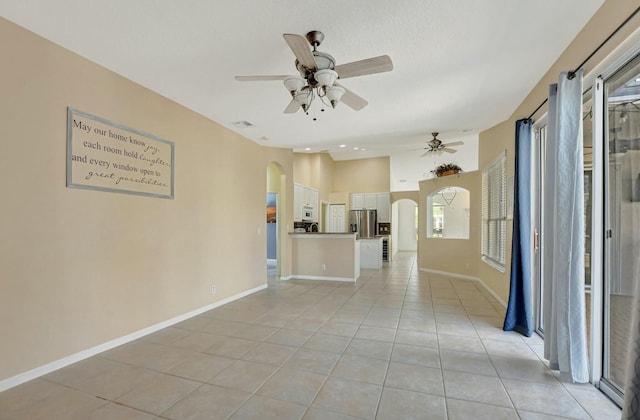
307, 213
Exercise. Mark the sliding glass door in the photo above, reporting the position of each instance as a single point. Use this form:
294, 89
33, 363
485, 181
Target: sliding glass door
538, 215
611, 117
622, 218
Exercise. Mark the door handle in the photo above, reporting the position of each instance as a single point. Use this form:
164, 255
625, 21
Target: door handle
536, 236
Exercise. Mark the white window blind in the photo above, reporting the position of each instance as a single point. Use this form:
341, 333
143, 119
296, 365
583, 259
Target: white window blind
494, 212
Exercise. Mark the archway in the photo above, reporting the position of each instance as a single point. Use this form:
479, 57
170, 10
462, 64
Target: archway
275, 201
404, 226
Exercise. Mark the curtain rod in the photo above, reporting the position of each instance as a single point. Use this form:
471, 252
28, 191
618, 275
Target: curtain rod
571, 74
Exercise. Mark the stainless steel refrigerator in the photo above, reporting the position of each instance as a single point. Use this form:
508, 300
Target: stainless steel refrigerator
363, 222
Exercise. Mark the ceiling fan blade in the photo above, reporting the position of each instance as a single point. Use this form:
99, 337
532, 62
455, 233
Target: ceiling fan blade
260, 78
455, 143
362, 67
446, 149
425, 153
352, 100
293, 107
300, 47
413, 150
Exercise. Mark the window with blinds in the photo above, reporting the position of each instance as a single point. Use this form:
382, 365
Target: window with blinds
494, 212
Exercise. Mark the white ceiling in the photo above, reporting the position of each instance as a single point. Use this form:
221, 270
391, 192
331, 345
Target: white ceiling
460, 66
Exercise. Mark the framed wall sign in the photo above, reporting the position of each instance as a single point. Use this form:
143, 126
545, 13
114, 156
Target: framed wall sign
105, 156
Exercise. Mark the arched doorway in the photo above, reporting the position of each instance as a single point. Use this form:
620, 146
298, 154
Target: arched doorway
404, 226
275, 189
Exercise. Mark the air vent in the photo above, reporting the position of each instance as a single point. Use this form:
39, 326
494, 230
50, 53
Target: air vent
242, 124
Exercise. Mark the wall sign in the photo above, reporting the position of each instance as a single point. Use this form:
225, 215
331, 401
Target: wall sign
105, 156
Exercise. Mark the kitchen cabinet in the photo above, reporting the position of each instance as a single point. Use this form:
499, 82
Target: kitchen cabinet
373, 201
298, 197
308, 196
371, 253
304, 196
370, 201
315, 204
357, 202
383, 205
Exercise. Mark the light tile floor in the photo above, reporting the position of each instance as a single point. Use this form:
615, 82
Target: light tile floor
398, 344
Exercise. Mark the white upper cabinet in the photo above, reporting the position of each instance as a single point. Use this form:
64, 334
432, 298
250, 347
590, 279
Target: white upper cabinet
357, 202
308, 196
383, 205
370, 201
315, 204
304, 196
373, 201
298, 197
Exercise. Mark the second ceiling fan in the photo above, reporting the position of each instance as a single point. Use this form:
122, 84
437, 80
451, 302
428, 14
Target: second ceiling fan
318, 75
436, 145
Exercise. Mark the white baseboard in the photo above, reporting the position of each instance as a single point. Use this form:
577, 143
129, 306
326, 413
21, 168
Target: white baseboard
445, 273
286, 277
344, 279
492, 293
76, 357
462, 276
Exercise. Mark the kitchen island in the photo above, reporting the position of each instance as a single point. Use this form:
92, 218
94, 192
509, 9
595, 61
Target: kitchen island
325, 256
371, 252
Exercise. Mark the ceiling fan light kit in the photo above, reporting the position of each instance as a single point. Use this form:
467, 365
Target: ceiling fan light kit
334, 94
325, 78
294, 84
319, 73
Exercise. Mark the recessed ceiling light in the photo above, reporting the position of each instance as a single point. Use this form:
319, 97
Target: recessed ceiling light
356, 148
363, 149
307, 149
342, 146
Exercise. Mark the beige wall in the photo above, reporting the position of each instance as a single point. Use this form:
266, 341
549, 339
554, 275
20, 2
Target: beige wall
81, 267
456, 256
361, 175
273, 178
409, 195
314, 170
501, 137
334, 178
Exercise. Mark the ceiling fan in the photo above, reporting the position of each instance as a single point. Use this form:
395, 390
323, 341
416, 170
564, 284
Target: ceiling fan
436, 145
318, 75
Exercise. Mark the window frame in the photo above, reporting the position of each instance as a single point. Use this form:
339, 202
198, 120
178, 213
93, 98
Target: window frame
494, 213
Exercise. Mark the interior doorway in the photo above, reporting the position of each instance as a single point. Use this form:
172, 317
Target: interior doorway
272, 234
274, 218
336, 218
404, 226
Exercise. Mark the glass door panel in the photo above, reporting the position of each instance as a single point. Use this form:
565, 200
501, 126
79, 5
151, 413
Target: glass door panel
538, 222
587, 151
622, 217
